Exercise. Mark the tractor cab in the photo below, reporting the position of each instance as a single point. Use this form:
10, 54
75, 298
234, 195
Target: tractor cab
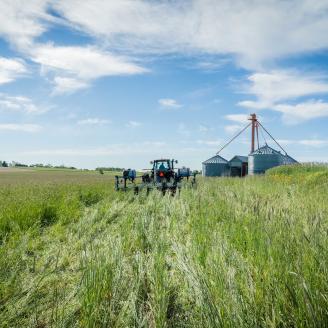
162, 164
163, 169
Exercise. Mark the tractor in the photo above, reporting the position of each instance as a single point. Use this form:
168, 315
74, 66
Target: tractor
162, 176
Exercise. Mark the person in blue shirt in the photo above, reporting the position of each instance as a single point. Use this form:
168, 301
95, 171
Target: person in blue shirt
162, 167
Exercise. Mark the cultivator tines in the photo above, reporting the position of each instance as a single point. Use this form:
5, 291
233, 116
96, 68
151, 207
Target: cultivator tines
163, 177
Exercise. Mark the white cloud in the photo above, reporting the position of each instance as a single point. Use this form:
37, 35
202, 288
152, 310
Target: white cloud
133, 124
244, 29
254, 104
212, 65
83, 62
68, 85
316, 143
253, 33
20, 103
239, 118
272, 87
75, 67
22, 22
286, 141
280, 91
293, 114
20, 127
169, 103
216, 142
72, 67
233, 128
115, 149
93, 121
11, 69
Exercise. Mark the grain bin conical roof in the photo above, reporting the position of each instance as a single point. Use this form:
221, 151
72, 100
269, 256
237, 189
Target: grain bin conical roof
267, 150
217, 159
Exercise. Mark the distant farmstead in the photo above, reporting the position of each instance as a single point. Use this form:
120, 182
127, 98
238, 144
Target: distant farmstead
257, 162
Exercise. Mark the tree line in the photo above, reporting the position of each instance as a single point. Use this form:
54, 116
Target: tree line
17, 164
109, 169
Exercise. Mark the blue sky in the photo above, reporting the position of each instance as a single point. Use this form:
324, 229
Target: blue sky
119, 83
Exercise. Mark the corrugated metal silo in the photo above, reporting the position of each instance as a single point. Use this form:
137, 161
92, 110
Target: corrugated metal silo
215, 166
265, 158
238, 166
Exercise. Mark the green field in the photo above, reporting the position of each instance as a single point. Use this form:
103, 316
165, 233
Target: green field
233, 252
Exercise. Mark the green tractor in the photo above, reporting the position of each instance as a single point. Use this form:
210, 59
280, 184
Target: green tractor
162, 176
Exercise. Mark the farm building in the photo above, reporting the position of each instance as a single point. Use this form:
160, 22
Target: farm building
265, 158
238, 166
215, 166
258, 161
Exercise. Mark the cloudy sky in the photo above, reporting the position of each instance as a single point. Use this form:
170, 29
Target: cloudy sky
120, 82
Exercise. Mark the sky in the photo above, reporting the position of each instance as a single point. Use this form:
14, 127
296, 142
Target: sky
122, 82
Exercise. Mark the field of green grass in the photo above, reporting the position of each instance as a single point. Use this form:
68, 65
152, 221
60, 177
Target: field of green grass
233, 252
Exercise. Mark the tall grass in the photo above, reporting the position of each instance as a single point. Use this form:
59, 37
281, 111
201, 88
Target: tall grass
232, 253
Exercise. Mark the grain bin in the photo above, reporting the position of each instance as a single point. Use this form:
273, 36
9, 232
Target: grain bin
238, 166
265, 158
215, 166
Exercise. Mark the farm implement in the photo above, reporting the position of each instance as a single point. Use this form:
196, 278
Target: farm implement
163, 176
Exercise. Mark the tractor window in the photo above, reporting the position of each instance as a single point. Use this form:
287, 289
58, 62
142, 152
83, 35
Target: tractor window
162, 166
